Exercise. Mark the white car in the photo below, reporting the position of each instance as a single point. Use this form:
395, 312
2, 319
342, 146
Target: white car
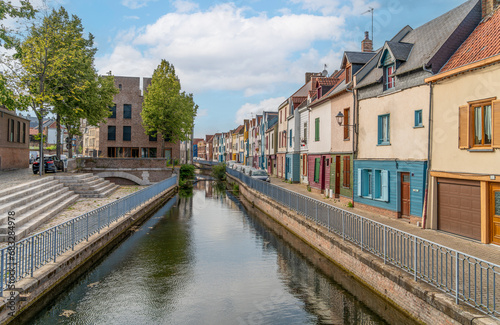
260, 174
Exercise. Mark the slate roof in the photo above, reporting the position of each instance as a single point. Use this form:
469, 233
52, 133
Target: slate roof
433, 43
483, 43
357, 57
400, 50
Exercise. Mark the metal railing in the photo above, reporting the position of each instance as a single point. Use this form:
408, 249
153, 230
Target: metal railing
467, 278
21, 259
207, 162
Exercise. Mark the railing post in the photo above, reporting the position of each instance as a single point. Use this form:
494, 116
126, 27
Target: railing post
2, 272
415, 258
456, 277
385, 244
55, 243
88, 216
343, 226
328, 219
99, 221
361, 234
73, 235
32, 266
316, 203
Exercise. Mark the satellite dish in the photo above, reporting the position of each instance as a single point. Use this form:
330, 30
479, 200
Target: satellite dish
325, 72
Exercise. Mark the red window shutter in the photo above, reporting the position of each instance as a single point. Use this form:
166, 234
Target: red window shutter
495, 107
463, 127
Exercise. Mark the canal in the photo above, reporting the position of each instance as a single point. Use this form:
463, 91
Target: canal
205, 260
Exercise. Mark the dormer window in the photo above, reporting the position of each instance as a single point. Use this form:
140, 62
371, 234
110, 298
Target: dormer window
319, 93
389, 81
348, 74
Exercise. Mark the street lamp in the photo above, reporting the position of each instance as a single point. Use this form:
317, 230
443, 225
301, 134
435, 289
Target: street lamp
340, 121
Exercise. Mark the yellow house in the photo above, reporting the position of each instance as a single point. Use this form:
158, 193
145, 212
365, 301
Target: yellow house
464, 184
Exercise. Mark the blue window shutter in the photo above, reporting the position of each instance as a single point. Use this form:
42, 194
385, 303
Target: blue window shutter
385, 185
416, 119
359, 181
380, 126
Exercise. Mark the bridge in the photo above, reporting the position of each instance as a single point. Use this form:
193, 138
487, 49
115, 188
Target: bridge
127, 171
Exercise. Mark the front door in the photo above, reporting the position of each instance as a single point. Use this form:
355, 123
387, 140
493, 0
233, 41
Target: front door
405, 194
495, 213
322, 175
337, 176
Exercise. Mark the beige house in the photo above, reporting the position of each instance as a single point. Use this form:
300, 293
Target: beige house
464, 187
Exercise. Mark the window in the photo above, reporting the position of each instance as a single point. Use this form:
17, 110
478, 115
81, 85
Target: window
383, 130
120, 87
18, 131
280, 117
389, 81
290, 138
127, 111
24, 132
111, 133
418, 118
479, 124
346, 173
11, 131
153, 137
346, 124
111, 152
319, 93
316, 129
267, 142
112, 109
304, 165
152, 152
373, 184
305, 134
317, 166
348, 74
127, 133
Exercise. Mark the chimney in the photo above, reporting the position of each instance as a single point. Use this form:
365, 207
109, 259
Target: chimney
367, 44
488, 6
310, 75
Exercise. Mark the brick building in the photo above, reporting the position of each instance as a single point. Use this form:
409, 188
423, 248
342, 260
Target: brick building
123, 135
14, 140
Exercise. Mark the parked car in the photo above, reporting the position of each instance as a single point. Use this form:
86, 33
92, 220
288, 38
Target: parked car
49, 165
260, 174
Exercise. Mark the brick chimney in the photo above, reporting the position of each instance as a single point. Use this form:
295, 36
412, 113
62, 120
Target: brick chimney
488, 6
310, 75
367, 44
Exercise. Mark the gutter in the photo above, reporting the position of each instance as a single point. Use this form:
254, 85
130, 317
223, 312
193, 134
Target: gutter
429, 152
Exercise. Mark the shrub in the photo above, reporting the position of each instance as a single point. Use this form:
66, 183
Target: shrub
350, 204
219, 172
308, 188
186, 172
236, 189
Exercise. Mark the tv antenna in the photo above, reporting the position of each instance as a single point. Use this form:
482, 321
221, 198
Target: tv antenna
370, 11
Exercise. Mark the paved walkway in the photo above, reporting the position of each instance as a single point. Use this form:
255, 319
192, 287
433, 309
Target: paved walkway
487, 252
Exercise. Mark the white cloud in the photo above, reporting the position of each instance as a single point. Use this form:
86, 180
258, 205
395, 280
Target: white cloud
342, 7
246, 111
183, 6
222, 49
132, 17
135, 4
202, 112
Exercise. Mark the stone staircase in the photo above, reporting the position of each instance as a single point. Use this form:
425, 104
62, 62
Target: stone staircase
88, 185
34, 203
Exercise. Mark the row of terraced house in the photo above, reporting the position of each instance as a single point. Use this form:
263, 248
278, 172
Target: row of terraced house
411, 130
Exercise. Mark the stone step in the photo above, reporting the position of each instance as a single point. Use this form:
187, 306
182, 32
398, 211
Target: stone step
97, 191
76, 179
86, 186
109, 190
26, 191
23, 186
29, 201
36, 221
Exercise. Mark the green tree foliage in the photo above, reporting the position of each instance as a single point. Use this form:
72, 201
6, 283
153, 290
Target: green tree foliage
8, 97
219, 172
166, 110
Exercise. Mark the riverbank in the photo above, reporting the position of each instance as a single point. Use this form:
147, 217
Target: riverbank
420, 300
31, 294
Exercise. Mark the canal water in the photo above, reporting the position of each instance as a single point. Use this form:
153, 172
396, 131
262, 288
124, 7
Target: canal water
205, 260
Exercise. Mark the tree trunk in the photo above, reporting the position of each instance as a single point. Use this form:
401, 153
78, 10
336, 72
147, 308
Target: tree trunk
70, 149
58, 140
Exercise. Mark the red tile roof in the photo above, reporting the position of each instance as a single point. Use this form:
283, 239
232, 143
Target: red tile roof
483, 43
297, 100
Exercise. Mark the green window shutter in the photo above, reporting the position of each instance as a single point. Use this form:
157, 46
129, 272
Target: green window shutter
317, 166
316, 130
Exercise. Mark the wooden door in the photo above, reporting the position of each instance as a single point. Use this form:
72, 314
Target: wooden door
405, 194
495, 213
322, 174
337, 176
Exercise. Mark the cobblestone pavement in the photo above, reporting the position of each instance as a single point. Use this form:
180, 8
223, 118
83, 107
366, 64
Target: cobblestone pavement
487, 252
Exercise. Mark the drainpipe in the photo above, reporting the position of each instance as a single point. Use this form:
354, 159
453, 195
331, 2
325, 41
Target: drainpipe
429, 152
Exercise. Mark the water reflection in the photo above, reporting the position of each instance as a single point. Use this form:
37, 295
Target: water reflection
206, 261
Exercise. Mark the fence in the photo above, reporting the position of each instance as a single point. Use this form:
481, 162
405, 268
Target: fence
467, 278
22, 258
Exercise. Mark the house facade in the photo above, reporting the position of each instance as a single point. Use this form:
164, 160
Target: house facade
390, 171
272, 146
464, 185
282, 136
14, 140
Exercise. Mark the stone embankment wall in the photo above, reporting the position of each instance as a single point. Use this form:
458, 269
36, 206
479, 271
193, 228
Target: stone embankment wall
419, 300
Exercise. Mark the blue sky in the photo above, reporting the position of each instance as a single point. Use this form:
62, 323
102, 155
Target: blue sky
239, 57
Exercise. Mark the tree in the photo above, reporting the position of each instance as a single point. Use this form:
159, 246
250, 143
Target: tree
166, 110
8, 97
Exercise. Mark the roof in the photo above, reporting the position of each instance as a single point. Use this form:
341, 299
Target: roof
297, 100
356, 57
339, 85
483, 43
432, 43
239, 129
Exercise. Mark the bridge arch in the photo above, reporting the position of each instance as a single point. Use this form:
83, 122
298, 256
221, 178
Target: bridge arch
130, 177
